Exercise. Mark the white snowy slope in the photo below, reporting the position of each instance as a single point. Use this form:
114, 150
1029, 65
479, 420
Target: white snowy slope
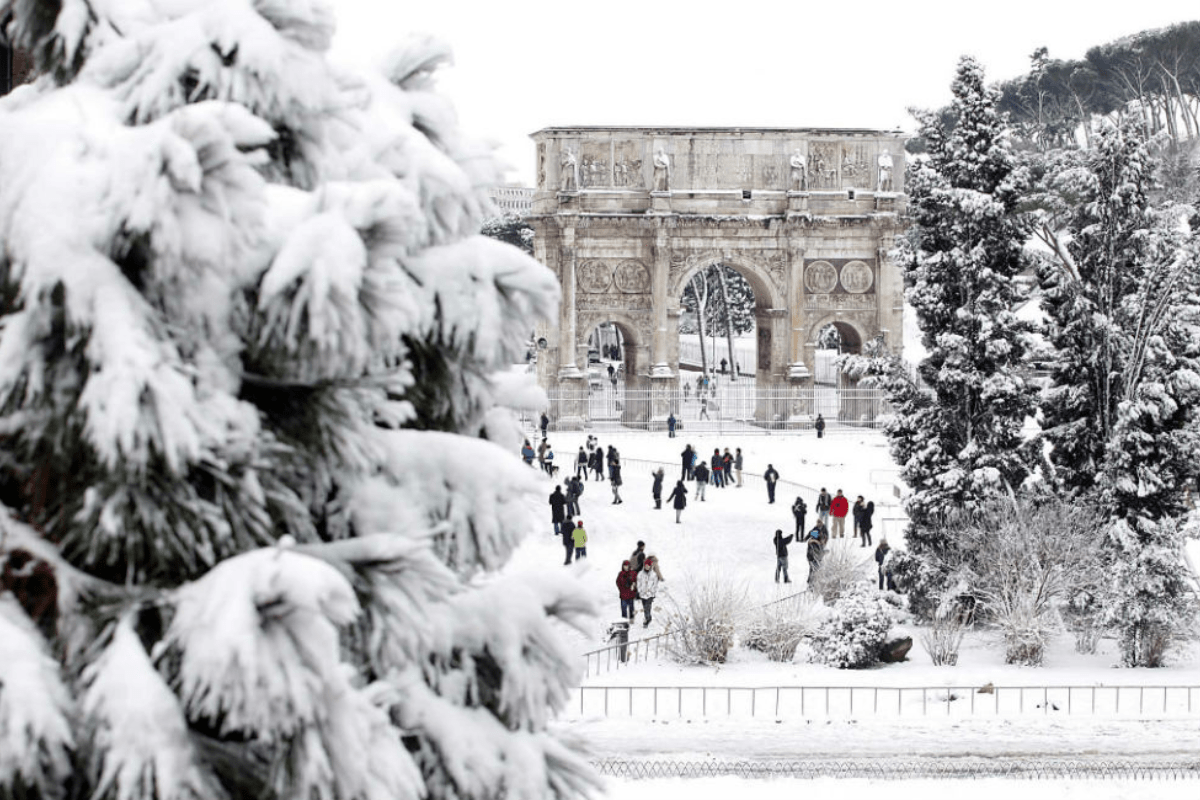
729, 536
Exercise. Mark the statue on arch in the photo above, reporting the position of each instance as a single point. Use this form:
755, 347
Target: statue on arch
568, 180
885, 172
662, 171
799, 166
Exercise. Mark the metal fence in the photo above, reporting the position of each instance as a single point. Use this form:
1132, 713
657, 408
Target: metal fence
637, 651
848, 702
910, 767
744, 406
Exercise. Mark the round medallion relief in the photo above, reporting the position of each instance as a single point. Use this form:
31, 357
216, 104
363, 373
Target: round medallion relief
632, 277
594, 277
857, 277
820, 277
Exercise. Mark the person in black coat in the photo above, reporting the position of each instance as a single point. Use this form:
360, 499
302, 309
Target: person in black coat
558, 508
656, 490
820, 426
614, 472
781, 555
597, 463
574, 490
866, 522
799, 510
771, 476
686, 458
679, 495
568, 539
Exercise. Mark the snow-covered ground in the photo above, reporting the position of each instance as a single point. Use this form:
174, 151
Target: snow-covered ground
729, 536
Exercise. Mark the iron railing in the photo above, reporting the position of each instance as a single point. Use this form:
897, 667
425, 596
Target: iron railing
745, 406
847, 702
911, 767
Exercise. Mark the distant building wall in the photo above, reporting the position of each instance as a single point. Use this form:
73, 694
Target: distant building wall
514, 199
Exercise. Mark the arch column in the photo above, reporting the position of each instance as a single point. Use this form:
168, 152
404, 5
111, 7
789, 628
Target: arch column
571, 408
663, 372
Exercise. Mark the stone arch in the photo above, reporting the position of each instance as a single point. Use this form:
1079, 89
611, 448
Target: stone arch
766, 293
635, 330
853, 333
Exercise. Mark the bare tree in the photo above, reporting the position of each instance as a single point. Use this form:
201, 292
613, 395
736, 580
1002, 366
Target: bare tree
1024, 560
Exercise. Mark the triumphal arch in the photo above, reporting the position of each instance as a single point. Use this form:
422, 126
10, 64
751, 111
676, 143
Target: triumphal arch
626, 216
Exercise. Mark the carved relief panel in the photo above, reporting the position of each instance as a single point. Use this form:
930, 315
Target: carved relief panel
594, 165
823, 161
856, 169
594, 277
839, 283
541, 165
627, 165
632, 277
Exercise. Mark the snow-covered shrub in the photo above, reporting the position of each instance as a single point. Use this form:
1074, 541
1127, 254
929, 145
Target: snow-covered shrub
778, 629
1083, 617
921, 581
842, 568
705, 622
855, 630
944, 636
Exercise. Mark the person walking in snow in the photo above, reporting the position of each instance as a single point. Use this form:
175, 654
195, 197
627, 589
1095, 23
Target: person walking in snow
771, 477
527, 453
737, 466
685, 461
656, 489
574, 489
638, 557
823, 500
701, 473
679, 496
820, 426
727, 460
568, 540
839, 507
581, 464
815, 552
883, 558
799, 511
704, 409
627, 590
866, 522
614, 472
671, 427
856, 513
718, 469
545, 424
597, 462
647, 589
558, 508
612, 458
579, 538
781, 555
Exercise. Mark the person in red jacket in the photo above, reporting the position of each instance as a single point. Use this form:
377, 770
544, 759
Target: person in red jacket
839, 507
627, 588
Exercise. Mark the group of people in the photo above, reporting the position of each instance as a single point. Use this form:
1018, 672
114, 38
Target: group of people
638, 580
544, 455
593, 458
832, 511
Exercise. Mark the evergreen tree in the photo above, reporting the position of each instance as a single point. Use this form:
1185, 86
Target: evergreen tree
1121, 413
512, 228
961, 441
256, 493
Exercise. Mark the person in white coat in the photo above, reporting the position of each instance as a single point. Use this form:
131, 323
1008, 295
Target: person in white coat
647, 587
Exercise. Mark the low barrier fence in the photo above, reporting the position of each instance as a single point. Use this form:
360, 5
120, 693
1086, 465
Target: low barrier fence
744, 406
960, 768
815, 702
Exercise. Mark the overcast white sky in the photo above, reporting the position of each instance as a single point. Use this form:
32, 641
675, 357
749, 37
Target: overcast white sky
522, 65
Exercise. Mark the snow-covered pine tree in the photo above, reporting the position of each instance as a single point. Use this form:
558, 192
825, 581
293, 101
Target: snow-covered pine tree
258, 497
1123, 316
962, 441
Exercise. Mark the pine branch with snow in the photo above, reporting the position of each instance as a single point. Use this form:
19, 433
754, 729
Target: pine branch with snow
259, 501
